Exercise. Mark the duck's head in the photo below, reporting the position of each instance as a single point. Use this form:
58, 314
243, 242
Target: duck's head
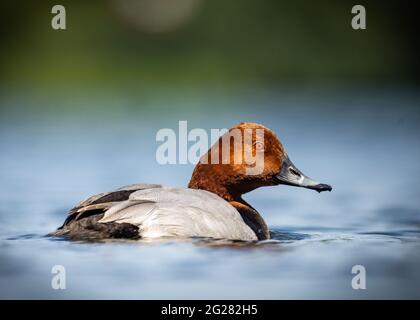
246, 157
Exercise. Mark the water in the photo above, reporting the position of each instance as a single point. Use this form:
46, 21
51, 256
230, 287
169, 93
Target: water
366, 146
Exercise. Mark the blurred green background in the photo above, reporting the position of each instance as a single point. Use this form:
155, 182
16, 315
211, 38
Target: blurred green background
135, 47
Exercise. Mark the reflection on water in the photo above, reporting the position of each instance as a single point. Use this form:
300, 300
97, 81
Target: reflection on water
371, 218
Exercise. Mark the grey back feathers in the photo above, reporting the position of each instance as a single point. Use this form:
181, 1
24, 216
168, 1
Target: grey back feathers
167, 212
176, 212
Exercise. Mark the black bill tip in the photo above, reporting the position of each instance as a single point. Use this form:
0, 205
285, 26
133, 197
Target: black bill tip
321, 187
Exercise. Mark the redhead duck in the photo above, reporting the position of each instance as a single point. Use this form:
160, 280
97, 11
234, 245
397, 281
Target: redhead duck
211, 206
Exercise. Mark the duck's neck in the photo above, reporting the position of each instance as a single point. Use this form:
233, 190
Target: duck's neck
211, 186
206, 178
218, 184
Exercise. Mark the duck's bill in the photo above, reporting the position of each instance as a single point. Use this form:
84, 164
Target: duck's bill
292, 176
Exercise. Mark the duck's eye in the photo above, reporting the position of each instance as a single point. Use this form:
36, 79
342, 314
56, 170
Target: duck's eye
293, 171
259, 146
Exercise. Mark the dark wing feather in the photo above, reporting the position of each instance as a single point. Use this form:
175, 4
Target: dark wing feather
101, 202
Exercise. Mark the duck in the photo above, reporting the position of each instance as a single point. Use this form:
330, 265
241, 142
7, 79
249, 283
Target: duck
212, 206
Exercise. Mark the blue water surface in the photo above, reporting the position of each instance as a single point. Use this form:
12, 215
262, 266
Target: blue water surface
366, 145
